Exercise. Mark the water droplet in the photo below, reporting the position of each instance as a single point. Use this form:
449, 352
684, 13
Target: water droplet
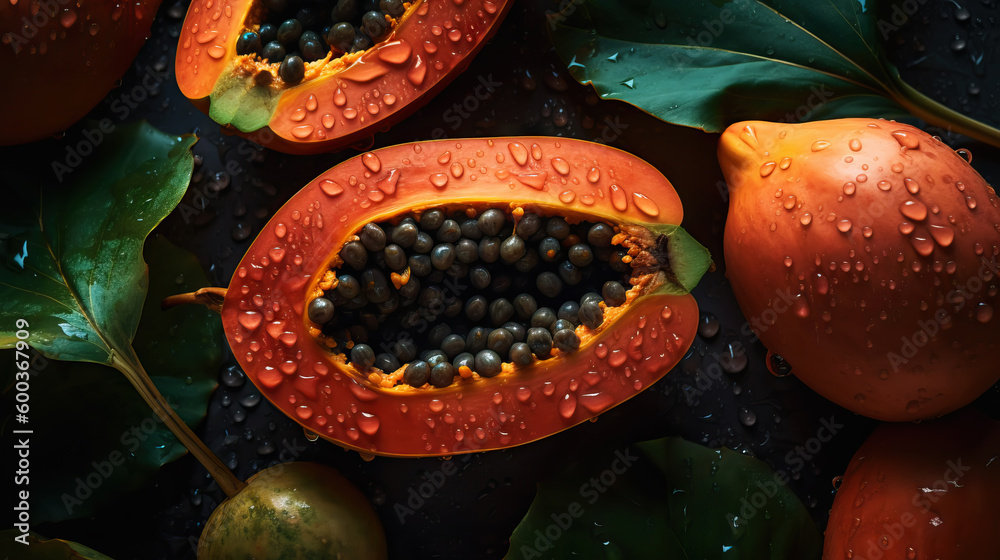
805, 219
533, 180
596, 402
906, 228
819, 145
984, 312
371, 162
250, 319
844, 226
866, 231
522, 394
567, 406
368, 423
567, 197
943, 235
350, 113
965, 154
861, 178
906, 140
536, 151
749, 137
884, 185
970, 202
435, 405
922, 244
785, 163
560, 165
67, 18
912, 186
789, 202
645, 204
708, 325
519, 152
854, 145
396, 52
914, 210
594, 175
767, 168
303, 131
666, 313
777, 365
439, 180
330, 187
747, 417
618, 198
216, 51
418, 72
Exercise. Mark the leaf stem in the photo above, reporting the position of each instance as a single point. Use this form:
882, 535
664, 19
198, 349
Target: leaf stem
938, 114
211, 298
128, 363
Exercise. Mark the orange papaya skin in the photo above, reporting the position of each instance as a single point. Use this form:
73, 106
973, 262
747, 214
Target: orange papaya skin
864, 252
927, 490
264, 313
66, 57
430, 45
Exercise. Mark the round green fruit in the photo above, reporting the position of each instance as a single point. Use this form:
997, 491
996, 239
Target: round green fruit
294, 511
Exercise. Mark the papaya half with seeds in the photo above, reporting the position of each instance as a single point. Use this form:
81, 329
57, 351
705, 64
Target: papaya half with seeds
63, 58
301, 80
552, 283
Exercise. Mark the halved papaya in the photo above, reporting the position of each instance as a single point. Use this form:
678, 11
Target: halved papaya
492, 292
309, 78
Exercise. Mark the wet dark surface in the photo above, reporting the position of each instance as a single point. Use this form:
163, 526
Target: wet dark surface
713, 398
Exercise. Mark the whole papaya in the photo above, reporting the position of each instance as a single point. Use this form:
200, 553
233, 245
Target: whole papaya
864, 252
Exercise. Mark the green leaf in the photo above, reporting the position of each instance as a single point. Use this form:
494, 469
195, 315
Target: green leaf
39, 548
126, 443
705, 65
237, 101
710, 63
666, 499
78, 276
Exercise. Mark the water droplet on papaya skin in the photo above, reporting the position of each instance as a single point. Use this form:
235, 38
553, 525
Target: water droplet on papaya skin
819, 145
567, 406
518, 152
984, 312
567, 197
913, 209
594, 175
645, 204
943, 235
749, 137
854, 145
767, 168
906, 139
618, 198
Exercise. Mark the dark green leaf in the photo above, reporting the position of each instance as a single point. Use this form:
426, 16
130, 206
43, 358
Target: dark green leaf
125, 443
666, 499
74, 265
38, 548
708, 64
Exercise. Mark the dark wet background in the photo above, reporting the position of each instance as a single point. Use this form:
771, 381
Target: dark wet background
946, 49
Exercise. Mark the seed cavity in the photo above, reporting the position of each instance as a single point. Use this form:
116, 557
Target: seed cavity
430, 298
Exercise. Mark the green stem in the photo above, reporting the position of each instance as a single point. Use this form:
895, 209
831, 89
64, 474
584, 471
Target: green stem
128, 363
937, 114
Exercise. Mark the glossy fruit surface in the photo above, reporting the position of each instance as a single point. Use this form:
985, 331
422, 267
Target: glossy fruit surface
63, 57
864, 252
925, 490
341, 99
265, 312
297, 511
